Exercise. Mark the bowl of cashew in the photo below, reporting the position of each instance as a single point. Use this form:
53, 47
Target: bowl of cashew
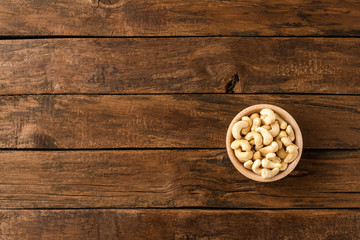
264, 142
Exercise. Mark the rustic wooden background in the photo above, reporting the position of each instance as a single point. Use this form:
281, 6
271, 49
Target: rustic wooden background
113, 116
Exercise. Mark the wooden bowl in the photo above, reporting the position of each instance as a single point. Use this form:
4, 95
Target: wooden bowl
288, 118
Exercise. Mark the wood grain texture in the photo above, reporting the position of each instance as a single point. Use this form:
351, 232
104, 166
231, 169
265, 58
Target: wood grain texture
179, 18
179, 224
180, 65
164, 121
171, 178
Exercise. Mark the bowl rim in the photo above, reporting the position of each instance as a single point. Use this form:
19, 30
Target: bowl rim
288, 118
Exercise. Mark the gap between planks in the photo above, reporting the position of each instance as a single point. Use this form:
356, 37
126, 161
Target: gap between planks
170, 94
215, 209
149, 149
20, 37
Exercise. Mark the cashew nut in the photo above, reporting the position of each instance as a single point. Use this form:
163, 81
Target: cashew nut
272, 157
283, 166
267, 116
266, 173
257, 155
238, 126
273, 147
281, 121
275, 129
257, 148
278, 138
267, 138
286, 141
256, 136
248, 164
282, 153
245, 130
290, 132
267, 127
293, 152
243, 156
254, 115
243, 144
266, 163
256, 167
256, 123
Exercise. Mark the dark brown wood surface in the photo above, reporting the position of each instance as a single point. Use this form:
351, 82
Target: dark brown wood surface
179, 18
171, 178
165, 121
179, 224
180, 65
113, 116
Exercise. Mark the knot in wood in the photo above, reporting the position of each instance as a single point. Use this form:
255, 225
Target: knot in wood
107, 3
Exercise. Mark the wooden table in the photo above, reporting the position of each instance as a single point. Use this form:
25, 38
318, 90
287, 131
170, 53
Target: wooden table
113, 116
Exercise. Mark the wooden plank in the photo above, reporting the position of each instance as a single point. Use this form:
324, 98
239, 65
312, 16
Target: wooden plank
179, 224
180, 65
164, 121
171, 178
179, 18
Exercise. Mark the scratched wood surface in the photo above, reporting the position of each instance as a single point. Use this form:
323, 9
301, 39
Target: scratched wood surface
165, 121
113, 116
171, 178
180, 18
180, 65
179, 224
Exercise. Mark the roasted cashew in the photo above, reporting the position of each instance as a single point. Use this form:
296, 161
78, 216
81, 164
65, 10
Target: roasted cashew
267, 138
283, 166
273, 147
266, 173
254, 115
275, 129
256, 136
245, 130
281, 121
290, 132
238, 126
286, 141
272, 157
267, 127
243, 156
248, 164
292, 153
278, 138
282, 153
257, 155
256, 167
267, 116
243, 144
256, 123
266, 163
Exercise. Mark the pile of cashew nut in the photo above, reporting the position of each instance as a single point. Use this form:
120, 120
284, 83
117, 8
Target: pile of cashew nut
264, 143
